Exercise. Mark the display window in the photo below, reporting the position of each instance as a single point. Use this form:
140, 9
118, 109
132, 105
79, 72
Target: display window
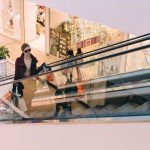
76, 32
40, 19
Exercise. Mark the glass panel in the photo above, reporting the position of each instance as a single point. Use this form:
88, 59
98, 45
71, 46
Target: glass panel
114, 93
83, 91
7, 113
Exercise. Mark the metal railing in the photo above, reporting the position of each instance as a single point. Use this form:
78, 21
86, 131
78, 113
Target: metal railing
7, 69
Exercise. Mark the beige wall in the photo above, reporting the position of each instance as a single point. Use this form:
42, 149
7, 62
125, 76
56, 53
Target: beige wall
139, 59
0, 15
17, 17
29, 20
56, 18
81, 136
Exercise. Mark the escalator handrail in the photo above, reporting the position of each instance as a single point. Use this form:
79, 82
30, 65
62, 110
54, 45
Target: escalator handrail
104, 49
83, 63
112, 78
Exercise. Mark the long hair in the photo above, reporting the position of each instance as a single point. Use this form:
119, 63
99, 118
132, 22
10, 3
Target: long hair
24, 45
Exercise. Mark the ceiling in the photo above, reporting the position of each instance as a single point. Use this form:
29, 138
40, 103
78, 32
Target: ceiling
127, 15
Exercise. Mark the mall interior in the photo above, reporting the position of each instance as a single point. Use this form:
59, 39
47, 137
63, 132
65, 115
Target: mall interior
104, 80
107, 53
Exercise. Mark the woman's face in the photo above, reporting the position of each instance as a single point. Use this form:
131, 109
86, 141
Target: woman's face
27, 51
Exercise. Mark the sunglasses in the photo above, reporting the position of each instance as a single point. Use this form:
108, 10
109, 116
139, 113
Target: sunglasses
27, 50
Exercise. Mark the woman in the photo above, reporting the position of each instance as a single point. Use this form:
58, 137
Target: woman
25, 66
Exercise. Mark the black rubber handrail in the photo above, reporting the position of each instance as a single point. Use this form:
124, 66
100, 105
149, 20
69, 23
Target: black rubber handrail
103, 49
83, 63
125, 77
117, 115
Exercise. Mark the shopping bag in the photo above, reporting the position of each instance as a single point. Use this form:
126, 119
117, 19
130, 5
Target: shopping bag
8, 96
22, 105
50, 77
80, 88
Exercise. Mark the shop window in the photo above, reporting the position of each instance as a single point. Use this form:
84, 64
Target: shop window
60, 39
78, 32
40, 20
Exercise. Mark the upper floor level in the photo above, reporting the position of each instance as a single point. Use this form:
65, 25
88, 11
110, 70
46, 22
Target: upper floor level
128, 16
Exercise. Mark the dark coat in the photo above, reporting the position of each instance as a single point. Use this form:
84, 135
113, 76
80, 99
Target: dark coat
20, 67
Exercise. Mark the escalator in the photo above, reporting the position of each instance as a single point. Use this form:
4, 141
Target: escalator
104, 51
104, 92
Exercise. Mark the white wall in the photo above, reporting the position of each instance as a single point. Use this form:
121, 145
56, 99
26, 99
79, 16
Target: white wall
17, 22
30, 20
115, 136
56, 18
128, 15
0, 15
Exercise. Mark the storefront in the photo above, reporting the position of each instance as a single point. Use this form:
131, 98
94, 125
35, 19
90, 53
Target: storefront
75, 32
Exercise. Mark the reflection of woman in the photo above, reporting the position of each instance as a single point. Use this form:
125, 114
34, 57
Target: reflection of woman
25, 66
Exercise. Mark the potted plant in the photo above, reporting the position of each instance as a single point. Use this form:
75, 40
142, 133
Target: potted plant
4, 52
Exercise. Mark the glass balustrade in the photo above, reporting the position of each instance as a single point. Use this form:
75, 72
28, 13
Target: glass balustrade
94, 89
